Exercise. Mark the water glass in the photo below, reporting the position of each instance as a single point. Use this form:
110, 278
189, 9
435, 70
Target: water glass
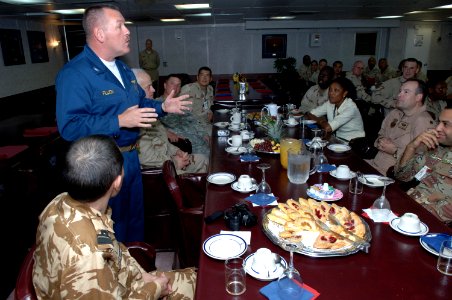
235, 276
444, 264
298, 166
356, 186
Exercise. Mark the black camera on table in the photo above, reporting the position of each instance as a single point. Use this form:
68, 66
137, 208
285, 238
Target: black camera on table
239, 214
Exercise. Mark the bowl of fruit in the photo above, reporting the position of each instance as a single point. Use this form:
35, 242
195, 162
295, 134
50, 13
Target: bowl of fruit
265, 146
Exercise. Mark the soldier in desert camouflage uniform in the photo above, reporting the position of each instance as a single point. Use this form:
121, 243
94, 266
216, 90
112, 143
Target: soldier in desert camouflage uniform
77, 255
432, 167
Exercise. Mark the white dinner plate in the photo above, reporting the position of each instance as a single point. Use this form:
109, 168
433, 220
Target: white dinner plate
221, 124
235, 150
221, 178
235, 187
224, 246
308, 122
395, 225
223, 111
339, 148
351, 175
269, 276
375, 182
290, 124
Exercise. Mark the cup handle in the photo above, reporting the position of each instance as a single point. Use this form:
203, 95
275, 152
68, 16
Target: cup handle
230, 141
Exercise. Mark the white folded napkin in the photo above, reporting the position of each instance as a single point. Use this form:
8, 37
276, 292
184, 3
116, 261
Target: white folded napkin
378, 219
246, 235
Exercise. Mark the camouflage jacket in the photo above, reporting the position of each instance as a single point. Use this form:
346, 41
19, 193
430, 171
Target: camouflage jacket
435, 190
77, 257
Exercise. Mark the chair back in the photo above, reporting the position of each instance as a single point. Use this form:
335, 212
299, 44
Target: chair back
188, 193
24, 290
24, 284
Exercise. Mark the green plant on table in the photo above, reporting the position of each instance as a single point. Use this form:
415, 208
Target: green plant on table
273, 126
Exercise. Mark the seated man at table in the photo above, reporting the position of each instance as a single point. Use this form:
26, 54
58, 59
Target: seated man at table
436, 99
402, 125
77, 254
318, 94
195, 125
154, 144
428, 158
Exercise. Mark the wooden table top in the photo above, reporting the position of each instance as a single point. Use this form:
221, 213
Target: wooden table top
396, 267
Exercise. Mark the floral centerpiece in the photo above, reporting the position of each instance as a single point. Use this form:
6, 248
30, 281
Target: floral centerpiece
238, 77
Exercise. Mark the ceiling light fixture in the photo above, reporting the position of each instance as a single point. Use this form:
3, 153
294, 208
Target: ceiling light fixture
282, 17
192, 6
173, 20
443, 7
77, 11
388, 17
415, 12
18, 2
199, 15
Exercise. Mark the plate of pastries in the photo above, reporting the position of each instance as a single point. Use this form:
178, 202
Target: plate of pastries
316, 228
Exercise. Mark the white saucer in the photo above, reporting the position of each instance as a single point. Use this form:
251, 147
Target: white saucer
372, 178
235, 187
224, 246
236, 129
290, 124
351, 175
395, 225
235, 150
274, 274
339, 148
221, 124
221, 178
223, 111
308, 122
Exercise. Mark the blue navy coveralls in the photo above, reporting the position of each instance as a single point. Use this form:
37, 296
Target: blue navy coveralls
89, 100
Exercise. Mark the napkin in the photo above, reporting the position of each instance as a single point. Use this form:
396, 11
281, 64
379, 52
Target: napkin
246, 235
435, 240
368, 213
326, 168
249, 158
262, 199
271, 291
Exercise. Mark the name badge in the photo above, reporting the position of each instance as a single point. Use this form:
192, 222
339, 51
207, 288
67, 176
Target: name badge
422, 173
108, 92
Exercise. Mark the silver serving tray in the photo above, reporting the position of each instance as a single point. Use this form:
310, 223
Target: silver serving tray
309, 251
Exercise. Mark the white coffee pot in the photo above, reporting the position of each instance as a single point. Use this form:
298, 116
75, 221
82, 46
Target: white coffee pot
271, 108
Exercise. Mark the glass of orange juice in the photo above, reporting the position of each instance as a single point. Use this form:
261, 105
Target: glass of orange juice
285, 145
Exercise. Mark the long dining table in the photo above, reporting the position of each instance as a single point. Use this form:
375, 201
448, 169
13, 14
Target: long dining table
395, 267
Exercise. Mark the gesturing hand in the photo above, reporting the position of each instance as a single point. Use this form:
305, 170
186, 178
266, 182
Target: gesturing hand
137, 117
176, 105
429, 138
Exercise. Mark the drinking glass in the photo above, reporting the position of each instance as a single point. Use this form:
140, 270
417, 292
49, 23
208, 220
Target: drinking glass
289, 283
381, 207
298, 166
263, 187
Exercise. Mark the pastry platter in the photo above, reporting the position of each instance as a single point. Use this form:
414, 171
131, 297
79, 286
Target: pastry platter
310, 240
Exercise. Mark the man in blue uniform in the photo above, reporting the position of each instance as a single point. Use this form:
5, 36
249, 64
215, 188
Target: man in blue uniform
97, 94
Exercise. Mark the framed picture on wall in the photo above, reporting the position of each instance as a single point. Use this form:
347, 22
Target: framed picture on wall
12, 48
38, 46
365, 43
274, 45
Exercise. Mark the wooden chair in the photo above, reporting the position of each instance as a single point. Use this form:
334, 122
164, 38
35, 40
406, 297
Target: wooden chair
188, 192
142, 252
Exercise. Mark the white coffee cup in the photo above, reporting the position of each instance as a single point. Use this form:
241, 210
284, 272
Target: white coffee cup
235, 126
409, 222
291, 120
244, 182
245, 134
236, 118
263, 261
343, 171
235, 140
